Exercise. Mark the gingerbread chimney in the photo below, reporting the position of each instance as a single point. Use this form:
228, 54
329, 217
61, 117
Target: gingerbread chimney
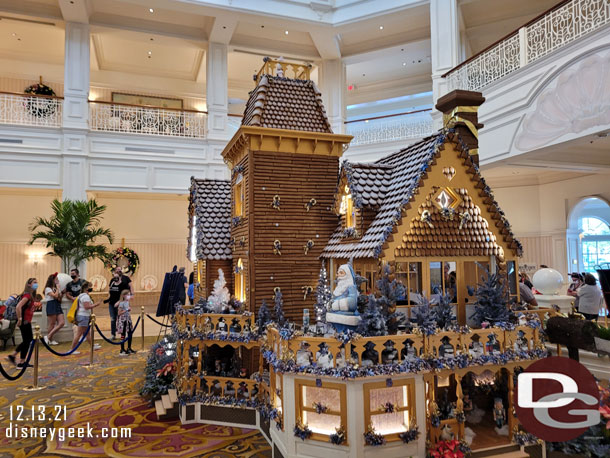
460, 111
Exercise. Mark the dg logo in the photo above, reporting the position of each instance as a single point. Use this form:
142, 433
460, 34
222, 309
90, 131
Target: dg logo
557, 399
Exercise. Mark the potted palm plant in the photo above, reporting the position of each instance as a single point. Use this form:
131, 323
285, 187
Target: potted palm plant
602, 340
74, 232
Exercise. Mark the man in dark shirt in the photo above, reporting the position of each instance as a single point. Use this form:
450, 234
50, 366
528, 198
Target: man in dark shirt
118, 284
73, 288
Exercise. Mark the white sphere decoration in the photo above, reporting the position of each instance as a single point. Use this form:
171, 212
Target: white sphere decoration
548, 281
64, 279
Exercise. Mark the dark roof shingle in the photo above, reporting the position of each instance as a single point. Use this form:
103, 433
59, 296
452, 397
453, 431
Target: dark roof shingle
284, 103
210, 200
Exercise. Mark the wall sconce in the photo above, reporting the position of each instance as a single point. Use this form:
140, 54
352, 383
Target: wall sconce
35, 258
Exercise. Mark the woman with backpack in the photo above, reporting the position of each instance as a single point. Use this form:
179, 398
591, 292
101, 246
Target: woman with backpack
83, 315
25, 312
55, 314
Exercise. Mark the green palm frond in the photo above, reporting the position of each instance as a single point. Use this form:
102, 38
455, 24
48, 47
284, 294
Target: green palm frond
73, 233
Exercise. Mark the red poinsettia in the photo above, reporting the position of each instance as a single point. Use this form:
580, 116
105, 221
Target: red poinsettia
448, 449
160, 351
169, 368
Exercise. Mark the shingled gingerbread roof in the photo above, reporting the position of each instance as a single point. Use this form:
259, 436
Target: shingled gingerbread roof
388, 186
210, 202
284, 103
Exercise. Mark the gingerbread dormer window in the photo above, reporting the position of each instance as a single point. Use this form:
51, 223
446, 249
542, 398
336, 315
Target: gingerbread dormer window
347, 208
238, 195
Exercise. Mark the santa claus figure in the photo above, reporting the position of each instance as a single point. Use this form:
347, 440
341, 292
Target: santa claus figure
344, 307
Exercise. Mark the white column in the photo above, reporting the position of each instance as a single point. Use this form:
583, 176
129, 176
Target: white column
217, 99
445, 42
332, 84
76, 111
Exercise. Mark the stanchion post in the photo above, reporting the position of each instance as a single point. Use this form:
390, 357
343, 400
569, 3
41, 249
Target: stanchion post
92, 331
142, 323
35, 386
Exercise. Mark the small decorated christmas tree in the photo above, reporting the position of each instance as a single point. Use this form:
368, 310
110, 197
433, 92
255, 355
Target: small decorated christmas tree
323, 295
279, 310
443, 312
493, 301
424, 317
372, 322
263, 317
391, 291
220, 294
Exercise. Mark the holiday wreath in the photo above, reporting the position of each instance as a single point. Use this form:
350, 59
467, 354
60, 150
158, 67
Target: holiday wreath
39, 106
130, 256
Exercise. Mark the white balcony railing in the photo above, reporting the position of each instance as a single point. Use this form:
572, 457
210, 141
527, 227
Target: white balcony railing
390, 128
550, 31
135, 119
30, 110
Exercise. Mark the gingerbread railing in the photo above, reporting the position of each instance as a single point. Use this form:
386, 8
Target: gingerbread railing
240, 324
294, 70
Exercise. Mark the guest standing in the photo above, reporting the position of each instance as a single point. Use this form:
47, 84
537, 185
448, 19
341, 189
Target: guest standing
590, 298
55, 315
83, 315
73, 288
25, 312
124, 324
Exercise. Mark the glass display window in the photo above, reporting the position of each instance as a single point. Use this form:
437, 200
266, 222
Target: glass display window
322, 407
390, 409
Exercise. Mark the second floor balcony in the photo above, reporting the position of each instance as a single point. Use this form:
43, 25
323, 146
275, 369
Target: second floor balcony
390, 128
30, 110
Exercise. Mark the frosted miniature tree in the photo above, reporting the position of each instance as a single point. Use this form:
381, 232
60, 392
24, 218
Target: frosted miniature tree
279, 310
323, 295
424, 317
372, 322
443, 312
263, 317
391, 291
493, 301
220, 294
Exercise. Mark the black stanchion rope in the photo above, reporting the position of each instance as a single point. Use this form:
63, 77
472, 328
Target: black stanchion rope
121, 341
56, 353
159, 323
23, 369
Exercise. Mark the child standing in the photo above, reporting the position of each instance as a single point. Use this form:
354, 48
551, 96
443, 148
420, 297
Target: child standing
124, 325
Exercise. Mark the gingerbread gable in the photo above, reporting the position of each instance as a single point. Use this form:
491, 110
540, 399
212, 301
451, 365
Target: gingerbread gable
411, 186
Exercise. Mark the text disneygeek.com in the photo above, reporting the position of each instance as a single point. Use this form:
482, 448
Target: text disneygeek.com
17, 431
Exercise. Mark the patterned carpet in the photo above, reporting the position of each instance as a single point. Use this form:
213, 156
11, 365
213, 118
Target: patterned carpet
106, 396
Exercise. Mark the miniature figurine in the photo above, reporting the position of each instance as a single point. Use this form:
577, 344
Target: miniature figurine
499, 413
370, 356
304, 356
408, 352
242, 391
476, 348
235, 326
521, 343
254, 391
216, 389
243, 373
247, 329
217, 367
221, 326
229, 389
344, 307
447, 433
323, 357
492, 346
389, 355
446, 350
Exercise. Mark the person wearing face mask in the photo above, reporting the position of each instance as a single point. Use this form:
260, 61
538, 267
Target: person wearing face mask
83, 315
73, 288
118, 284
25, 312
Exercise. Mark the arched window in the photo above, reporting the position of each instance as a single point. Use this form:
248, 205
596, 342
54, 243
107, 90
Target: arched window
238, 195
347, 208
595, 242
588, 235
240, 281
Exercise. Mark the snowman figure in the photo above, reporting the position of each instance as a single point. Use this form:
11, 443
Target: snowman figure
408, 352
304, 356
446, 350
242, 391
370, 356
521, 343
323, 357
476, 348
389, 354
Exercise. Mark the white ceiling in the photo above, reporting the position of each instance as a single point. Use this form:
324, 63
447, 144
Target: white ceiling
122, 31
